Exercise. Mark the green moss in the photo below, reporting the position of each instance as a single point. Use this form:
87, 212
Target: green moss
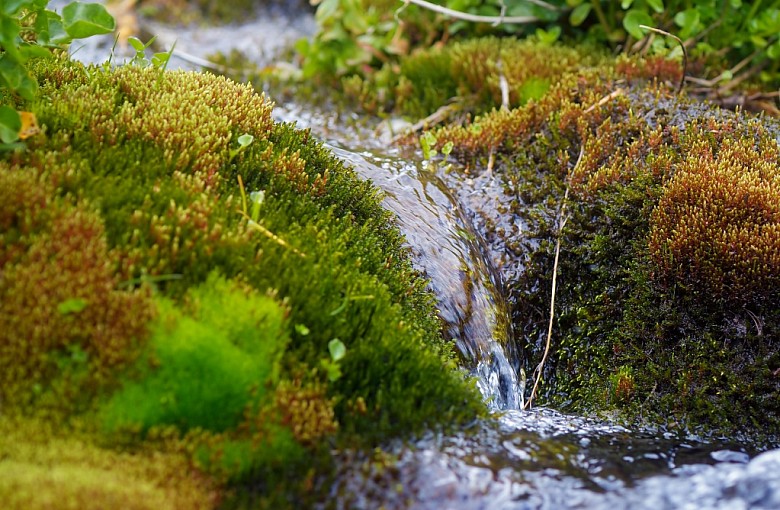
206, 11
469, 73
136, 189
669, 218
48, 465
685, 353
203, 367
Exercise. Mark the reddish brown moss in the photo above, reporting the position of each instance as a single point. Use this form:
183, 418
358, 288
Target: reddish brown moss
306, 410
572, 104
655, 67
716, 228
55, 257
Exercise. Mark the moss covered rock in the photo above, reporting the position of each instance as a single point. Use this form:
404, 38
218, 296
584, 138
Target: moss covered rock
176, 269
667, 306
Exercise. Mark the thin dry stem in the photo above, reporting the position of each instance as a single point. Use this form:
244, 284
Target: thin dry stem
513, 20
437, 117
604, 100
562, 219
682, 46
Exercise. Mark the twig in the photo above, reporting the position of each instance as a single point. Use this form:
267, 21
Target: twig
682, 46
604, 100
437, 117
491, 160
544, 5
733, 71
202, 62
731, 84
562, 219
512, 20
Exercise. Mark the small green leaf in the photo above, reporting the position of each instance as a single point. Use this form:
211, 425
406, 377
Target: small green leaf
447, 149
774, 50
136, 43
73, 305
34, 51
328, 9
257, 198
9, 34
633, 19
579, 14
57, 33
427, 142
533, 88
28, 88
333, 370
687, 20
245, 140
12, 7
302, 330
10, 124
625, 4
548, 36
160, 59
758, 41
337, 349
656, 5
85, 20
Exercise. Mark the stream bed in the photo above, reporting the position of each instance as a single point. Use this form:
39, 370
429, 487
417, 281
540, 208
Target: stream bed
523, 459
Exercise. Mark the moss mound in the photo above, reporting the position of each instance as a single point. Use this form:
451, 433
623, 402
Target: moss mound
175, 266
667, 301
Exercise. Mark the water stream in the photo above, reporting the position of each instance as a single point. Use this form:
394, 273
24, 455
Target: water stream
447, 249
523, 459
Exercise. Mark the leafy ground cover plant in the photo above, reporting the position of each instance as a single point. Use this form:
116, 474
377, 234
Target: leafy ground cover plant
733, 43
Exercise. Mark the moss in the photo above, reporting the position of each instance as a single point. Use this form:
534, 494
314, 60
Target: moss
120, 212
671, 212
202, 366
51, 466
470, 73
207, 11
716, 228
63, 318
690, 353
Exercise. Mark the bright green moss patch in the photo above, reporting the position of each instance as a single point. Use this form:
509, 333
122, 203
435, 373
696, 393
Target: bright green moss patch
203, 370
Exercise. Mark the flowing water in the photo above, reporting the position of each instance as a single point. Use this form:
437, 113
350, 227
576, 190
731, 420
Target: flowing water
531, 459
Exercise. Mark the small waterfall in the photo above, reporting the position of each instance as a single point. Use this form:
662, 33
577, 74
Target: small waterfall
451, 254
